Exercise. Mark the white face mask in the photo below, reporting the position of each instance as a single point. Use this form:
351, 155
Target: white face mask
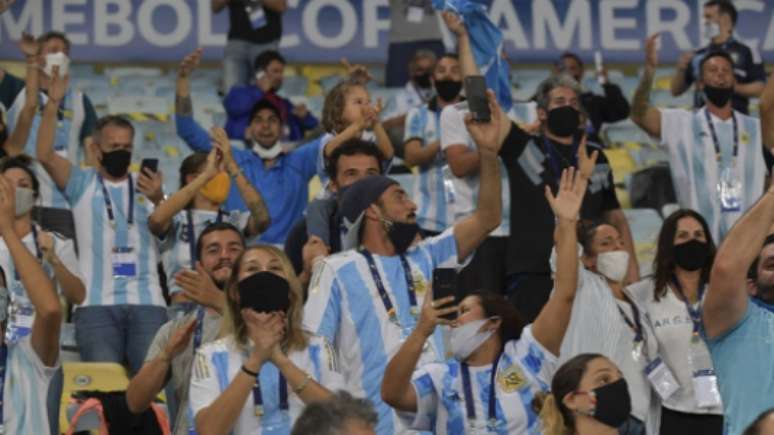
267, 153
57, 59
465, 339
711, 29
613, 265
25, 200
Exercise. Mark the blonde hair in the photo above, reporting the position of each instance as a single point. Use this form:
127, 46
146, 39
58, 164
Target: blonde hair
233, 324
550, 415
333, 107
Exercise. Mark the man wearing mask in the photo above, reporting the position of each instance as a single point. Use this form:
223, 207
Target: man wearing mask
76, 118
738, 327
124, 306
422, 147
281, 177
170, 356
719, 23
269, 68
365, 301
417, 91
715, 152
608, 108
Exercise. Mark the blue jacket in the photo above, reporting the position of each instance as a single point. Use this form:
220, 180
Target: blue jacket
239, 103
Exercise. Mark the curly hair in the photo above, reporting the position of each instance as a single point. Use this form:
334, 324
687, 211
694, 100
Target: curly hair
333, 108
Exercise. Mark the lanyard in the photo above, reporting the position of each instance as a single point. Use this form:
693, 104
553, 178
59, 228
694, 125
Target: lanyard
38, 253
695, 313
199, 326
636, 325
714, 135
553, 156
190, 233
3, 374
383, 291
468, 391
258, 398
109, 203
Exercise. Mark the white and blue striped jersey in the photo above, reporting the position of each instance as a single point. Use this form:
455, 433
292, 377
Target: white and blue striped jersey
98, 239
217, 363
176, 247
695, 171
345, 308
65, 251
24, 393
525, 368
434, 213
465, 189
67, 141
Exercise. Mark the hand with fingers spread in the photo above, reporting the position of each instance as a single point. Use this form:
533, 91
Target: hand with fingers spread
266, 331
151, 185
7, 205
198, 286
189, 63
454, 23
569, 197
586, 162
178, 341
28, 45
432, 312
487, 134
371, 114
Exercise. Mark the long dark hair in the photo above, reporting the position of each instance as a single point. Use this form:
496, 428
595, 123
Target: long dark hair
664, 262
493, 304
557, 419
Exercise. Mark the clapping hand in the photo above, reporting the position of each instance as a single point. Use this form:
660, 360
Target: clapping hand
265, 330
28, 44
178, 341
199, 287
7, 205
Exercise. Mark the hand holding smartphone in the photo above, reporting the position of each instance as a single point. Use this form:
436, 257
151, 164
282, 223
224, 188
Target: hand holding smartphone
475, 92
444, 285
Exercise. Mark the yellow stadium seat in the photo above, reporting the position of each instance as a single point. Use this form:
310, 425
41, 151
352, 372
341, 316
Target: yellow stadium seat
316, 72
621, 162
314, 187
623, 197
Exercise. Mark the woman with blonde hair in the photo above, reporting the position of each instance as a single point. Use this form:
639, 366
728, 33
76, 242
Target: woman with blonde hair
589, 396
263, 370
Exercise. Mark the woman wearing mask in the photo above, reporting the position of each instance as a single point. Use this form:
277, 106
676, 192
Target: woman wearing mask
205, 181
498, 364
671, 301
589, 396
259, 375
606, 321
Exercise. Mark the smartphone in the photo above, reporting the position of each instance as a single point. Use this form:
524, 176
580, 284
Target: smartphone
475, 92
152, 164
444, 285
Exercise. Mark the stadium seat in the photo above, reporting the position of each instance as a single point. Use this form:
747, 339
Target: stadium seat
140, 108
645, 224
89, 376
668, 209
133, 71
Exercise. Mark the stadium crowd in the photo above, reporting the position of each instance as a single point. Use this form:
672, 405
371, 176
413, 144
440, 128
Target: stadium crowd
501, 295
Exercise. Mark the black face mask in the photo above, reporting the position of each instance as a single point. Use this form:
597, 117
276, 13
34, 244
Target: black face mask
116, 163
264, 292
718, 96
401, 234
423, 80
691, 255
563, 121
447, 90
613, 403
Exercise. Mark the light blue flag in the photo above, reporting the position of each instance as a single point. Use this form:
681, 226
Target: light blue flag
487, 43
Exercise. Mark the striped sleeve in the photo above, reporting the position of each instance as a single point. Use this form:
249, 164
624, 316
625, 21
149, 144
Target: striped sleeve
322, 311
532, 356
414, 125
205, 387
78, 183
427, 400
326, 366
443, 250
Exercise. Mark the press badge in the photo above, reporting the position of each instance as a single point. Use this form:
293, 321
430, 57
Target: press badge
661, 378
20, 322
448, 185
729, 190
124, 262
705, 389
257, 15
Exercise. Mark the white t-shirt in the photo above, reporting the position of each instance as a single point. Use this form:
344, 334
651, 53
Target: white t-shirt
217, 363
108, 250
695, 170
673, 328
524, 369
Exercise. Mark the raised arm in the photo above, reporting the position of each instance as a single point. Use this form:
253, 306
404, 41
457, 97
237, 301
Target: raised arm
40, 289
644, 115
727, 298
464, 50
161, 219
57, 166
187, 128
551, 324
21, 131
750, 90
397, 390
471, 231
767, 113
259, 213
678, 84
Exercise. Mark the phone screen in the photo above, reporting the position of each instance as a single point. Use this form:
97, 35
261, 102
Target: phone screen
444, 285
475, 92
152, 164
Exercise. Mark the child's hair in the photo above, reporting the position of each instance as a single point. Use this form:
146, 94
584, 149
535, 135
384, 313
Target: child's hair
333, 109
557, 419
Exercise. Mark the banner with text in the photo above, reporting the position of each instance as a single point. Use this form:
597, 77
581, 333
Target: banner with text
326, 30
